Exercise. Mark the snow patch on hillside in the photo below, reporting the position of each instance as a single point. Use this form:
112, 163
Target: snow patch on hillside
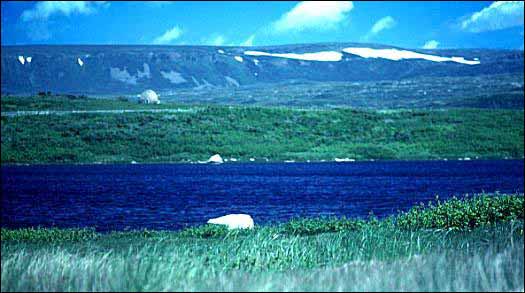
80, 62
238, 58
28, 59
173, 76
317, 56
396, 55
232, 81
21, 59
220, 51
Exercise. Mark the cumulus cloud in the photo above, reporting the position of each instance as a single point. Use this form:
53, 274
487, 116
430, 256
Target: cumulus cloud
499, 15
169, 36
313, 15
45, 9
384, 23
248, 42
432, 44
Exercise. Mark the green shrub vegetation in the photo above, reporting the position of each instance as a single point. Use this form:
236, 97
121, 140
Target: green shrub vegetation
397, 253
251, 132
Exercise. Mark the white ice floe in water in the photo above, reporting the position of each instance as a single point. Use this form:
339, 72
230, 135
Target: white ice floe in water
396, 55
28, 59
21, 59
220, 51
234, 221
80, 62
317, 56
238, 58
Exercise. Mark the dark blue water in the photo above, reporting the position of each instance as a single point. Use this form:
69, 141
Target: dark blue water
172, 196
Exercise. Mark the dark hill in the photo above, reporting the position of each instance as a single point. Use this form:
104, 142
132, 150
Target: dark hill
119, 69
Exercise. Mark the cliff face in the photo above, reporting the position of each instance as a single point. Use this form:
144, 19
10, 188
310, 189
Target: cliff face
132, 69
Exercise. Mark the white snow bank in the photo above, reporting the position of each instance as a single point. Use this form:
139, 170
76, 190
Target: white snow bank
21, 59
220, 51
238, 58
80, 62
317, 56
396, 55
28, 59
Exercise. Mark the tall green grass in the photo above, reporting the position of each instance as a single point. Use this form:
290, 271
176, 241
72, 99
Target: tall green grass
344, 255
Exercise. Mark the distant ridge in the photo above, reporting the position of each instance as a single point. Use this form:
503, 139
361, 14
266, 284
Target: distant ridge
129, 69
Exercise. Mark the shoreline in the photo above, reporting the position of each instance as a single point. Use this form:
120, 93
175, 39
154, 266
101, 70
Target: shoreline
262, 162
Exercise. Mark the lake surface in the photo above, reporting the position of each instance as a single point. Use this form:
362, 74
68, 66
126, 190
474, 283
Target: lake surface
172, 196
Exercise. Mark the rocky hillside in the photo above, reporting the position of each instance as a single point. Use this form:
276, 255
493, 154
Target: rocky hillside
132, 69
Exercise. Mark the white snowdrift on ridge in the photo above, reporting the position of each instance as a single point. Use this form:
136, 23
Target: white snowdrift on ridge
28, 59
317, 56
21, 59
396, 55
80, 62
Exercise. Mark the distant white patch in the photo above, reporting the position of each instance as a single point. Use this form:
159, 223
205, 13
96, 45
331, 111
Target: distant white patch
317, 56
255, 73
195, 81
232, 81
255, 61
220, 51
80, 62
238, 58
396, 55
145, 73
122, 75
28, 59
173, 76
21, 59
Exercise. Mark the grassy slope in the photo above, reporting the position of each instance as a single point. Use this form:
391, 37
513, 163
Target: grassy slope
483, 253
244, 132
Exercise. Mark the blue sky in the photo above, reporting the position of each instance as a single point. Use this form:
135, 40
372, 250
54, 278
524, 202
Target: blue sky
451, 24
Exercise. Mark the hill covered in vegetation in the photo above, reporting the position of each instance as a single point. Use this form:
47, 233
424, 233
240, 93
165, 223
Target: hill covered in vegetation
182, 133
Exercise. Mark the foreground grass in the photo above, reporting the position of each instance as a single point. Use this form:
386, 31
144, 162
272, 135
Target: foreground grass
315, 254
254, 132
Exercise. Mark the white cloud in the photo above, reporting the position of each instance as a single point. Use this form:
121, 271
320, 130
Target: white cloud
248, 42
432, 44
313, 15
157, 4
384, 23
499, 15
169, 36
45, 9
